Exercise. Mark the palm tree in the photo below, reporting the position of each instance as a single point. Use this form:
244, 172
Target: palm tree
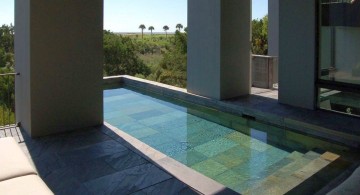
166, 28
179, 27
142, 30
151, 28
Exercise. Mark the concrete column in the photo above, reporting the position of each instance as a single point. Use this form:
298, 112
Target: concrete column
58, 53
297, 53
219, 48
273, 29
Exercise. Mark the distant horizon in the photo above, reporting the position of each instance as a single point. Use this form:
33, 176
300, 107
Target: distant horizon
147, 32
155, 13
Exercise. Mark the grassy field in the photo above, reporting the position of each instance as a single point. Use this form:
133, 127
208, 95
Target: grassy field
151, 60
6, 116
151, 47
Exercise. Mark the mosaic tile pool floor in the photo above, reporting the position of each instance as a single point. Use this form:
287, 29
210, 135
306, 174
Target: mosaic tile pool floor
244, 162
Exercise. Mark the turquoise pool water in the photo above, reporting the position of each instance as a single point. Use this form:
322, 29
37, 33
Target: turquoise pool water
243, 155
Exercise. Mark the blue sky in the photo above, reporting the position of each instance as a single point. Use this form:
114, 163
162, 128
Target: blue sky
155, 12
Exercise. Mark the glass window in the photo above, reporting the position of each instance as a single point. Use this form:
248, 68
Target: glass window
339, 56
340, 101
340, 41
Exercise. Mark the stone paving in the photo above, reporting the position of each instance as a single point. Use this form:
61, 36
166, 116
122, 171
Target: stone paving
89, 161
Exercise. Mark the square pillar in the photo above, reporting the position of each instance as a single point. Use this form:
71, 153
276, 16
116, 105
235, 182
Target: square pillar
273, 28
297, 53
219, 48
59, 55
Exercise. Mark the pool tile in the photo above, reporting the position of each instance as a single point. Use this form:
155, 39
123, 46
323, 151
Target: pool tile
128, 127
215, 147
173, 149
202, 137
230, 178
238, 137
146, 114
251, 143
120, 120
201, 125
170, 124
220, 130
121, 98
141, 133
177, 114
114, 114
157, 139
190, 157
228, 159
179, 134
240, 151
111, 92
209, 168
136, 109
155, 120
193, 119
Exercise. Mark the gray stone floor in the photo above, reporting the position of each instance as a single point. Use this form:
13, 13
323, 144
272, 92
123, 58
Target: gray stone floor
265, 102
267, 93
94, 161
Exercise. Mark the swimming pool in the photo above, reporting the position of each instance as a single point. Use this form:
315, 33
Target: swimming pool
244, 155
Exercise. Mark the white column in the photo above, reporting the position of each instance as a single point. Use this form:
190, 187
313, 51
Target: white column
58, 53
219, 48
297, 53
273, 34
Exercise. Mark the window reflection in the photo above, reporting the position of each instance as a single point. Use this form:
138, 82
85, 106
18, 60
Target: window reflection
340, 55
340, 41
340, 101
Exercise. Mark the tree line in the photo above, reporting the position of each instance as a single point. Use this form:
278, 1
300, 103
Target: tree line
7, 83
123, 56
179, 27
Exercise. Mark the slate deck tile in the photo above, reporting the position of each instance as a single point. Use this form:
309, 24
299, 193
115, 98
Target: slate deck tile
171, 186
128, 181
94, 151
124, 160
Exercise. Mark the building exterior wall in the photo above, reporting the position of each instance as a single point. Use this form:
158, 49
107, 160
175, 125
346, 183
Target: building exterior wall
59, 56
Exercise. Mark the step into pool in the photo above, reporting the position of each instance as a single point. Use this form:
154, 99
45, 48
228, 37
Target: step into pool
244, 155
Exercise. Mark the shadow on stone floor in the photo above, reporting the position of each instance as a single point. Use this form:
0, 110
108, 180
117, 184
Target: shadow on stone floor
97, 161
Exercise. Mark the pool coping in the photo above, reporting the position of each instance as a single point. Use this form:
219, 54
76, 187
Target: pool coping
280, 120
200, 183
